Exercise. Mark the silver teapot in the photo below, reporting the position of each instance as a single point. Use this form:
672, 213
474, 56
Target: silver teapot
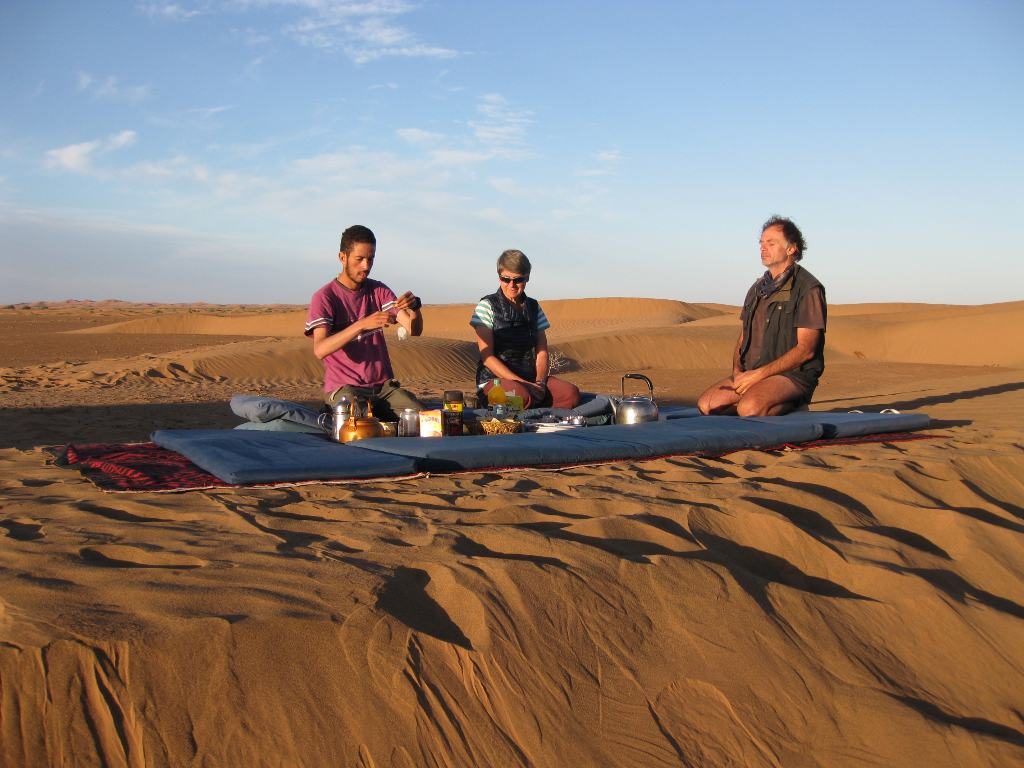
635, 409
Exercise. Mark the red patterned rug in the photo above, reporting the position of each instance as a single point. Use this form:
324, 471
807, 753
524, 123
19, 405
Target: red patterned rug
131, 467
136, 467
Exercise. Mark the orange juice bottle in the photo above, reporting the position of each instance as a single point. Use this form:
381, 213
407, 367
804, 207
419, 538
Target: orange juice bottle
496, 395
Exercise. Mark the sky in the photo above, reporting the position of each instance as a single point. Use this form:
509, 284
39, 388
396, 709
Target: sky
214, 150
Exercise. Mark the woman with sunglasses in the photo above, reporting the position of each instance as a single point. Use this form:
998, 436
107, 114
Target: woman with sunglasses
511, 335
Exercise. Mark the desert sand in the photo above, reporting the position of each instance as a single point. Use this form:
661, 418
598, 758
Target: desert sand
858, 605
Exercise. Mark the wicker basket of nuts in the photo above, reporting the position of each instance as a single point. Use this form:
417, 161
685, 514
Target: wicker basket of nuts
501, 426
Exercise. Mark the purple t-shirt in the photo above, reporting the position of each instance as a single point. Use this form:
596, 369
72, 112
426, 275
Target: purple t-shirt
364, 361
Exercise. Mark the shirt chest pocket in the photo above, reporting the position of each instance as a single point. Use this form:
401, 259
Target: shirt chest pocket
780, 312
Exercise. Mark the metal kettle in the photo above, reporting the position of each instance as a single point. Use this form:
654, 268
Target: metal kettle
361, 427
635, 409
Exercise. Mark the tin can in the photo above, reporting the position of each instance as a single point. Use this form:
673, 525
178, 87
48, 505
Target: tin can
342, 410
409, 423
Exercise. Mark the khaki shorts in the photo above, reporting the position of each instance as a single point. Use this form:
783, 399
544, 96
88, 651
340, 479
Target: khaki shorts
387, 400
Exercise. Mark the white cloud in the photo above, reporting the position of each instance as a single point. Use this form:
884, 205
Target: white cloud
113, 90
74, 157
110, 89
606, 162
79, 157
363, 31
122, 139
502, 126
168, 11
440, 82
418, 136
508, 186
494, 216
458, 157
252, 69
176, 168
355, 166
376, 31
366, 55
251, 36
207, 112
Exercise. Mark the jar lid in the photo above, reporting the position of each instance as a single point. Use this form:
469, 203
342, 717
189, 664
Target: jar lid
453, 396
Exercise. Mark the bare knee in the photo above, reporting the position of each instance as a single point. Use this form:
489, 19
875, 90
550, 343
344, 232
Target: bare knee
750, 406
704, 404
718, 398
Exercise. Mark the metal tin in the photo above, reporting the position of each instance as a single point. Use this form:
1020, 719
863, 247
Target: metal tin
409, 423
451, 413
342, 410
577, 420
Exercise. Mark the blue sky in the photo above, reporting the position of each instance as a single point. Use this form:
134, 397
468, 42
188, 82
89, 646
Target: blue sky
214, 150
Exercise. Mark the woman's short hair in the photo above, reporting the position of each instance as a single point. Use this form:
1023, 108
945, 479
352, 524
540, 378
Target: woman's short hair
514, 261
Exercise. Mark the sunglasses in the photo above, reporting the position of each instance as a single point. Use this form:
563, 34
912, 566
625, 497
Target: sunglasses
516, 280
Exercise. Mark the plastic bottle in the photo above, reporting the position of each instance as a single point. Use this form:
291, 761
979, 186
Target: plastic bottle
496, 395
514, 401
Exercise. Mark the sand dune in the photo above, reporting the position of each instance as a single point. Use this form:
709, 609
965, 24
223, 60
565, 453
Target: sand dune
856, 605
989, 335
277, 324
569, 317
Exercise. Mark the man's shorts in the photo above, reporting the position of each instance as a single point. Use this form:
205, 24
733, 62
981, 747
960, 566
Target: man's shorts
387, 400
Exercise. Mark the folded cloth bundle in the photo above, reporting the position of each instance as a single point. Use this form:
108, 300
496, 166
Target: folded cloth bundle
597, 409
273, 414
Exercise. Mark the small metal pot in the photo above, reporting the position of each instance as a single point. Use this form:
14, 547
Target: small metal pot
635, 409
341, 412
360, 427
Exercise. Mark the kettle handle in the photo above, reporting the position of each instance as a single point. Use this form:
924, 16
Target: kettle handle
639, 376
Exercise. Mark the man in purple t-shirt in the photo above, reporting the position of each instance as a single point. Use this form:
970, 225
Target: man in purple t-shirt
347, 318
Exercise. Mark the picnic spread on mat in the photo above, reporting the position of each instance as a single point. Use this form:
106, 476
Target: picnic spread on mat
285, 442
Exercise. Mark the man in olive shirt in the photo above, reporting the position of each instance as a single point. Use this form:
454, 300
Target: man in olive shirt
779, 355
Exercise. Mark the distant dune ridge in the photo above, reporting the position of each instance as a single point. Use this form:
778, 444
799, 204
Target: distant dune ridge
590, 335
845, 606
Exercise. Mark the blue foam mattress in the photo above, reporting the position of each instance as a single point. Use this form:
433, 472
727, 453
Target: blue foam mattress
246, 456
707, 435
852, 424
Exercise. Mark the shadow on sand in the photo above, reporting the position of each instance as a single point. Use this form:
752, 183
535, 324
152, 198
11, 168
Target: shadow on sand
132, 422
924, 402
